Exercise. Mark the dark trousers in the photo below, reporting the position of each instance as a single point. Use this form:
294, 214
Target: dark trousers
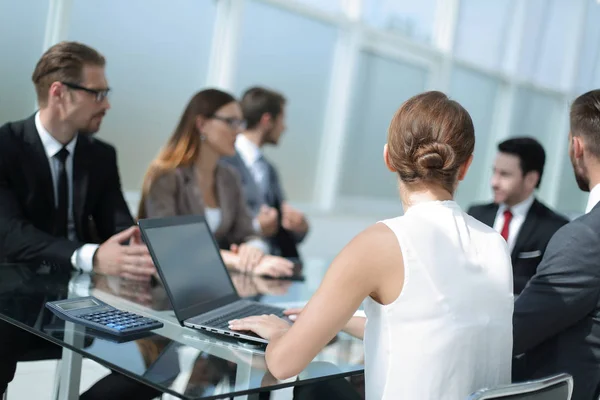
333, 389
19, 345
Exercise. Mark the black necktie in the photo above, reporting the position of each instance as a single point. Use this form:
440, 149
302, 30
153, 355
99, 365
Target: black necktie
63, 193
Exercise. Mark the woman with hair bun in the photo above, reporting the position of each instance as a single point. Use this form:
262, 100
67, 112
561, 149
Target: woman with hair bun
436, 283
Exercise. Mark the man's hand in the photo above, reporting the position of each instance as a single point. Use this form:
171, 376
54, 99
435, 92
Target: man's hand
274, 267
293, 220
131, 261
268, 219
248, 256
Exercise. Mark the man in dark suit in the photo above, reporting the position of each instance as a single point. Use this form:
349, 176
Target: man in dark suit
282, 225
60, 191
525, 223
557, 316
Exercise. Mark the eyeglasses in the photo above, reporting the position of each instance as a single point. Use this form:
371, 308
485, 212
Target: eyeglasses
100, 94
233, 123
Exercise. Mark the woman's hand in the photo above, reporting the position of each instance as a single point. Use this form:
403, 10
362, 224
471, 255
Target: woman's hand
275, 267
265, 326
292, 313
249, 256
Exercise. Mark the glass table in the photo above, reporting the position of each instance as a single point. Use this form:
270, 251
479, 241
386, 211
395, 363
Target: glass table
174, 360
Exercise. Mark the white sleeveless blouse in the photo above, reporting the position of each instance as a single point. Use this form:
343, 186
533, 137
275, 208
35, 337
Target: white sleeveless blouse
449, 333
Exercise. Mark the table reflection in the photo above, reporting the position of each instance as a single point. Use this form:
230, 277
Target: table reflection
179, 361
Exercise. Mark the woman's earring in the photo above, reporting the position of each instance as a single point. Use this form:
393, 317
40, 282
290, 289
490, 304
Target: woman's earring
202, 138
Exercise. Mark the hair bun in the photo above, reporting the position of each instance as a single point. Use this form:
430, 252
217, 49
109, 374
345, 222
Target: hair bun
433, 158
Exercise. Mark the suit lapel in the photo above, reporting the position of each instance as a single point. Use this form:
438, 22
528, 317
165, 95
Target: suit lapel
251, 190
225, 200
489, 215
192, 190
81, 163
529, 225
39, 160
272, 196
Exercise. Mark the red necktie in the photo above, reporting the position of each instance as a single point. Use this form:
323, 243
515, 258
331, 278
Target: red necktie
507, 218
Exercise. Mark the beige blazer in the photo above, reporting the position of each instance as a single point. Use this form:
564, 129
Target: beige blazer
177, 193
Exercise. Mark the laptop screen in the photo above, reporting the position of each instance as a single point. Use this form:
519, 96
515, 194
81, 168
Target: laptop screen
189, 263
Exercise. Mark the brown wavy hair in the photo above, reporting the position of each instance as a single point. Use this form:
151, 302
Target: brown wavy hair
429, 138
183, 147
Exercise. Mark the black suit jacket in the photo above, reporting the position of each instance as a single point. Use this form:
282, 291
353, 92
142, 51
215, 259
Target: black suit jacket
27, 231
556, 320
284, 242
535, 233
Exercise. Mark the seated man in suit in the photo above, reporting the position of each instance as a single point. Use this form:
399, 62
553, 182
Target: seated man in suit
556, 323
275, 219
60, 191
525, 223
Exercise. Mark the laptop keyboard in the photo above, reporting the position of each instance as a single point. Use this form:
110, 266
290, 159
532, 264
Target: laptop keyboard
222, 322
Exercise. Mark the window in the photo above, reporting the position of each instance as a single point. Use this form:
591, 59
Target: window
481, 31
413, 19
157, 58
382, 85
477, 93
589, 75
550, 32
272, 55
22, 27
334, 6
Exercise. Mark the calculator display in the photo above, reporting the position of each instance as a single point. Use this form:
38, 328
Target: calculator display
75, 305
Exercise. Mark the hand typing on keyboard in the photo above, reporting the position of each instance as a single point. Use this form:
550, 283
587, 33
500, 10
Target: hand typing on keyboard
265, 326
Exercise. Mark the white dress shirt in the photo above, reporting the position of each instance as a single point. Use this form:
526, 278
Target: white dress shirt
83, 257
250, 153
213, 218
593, 198
519, 212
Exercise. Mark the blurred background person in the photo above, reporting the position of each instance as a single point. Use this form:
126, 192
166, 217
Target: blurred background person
187, 178
282, 225
524, 222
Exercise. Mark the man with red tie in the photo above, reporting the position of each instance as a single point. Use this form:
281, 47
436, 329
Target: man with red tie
525, 223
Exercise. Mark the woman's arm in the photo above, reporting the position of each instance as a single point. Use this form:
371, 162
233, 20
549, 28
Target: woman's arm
356, 327
371, 261
243, 229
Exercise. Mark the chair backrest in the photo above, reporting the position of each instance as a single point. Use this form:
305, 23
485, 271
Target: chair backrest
556, 387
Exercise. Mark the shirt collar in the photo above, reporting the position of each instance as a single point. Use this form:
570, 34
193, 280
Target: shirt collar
51, 145
521, 208
248, 150
593, 198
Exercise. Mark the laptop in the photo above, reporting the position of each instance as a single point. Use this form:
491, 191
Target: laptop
195, 277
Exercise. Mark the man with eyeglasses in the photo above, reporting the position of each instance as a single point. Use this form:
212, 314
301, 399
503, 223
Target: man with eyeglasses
279, 222
60, 191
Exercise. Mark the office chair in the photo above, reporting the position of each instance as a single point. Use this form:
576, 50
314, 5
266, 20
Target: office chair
555, 387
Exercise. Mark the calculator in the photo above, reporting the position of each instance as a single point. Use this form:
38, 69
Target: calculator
95, 314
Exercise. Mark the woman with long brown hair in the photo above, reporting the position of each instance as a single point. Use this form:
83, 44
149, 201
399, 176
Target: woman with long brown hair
187, 178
